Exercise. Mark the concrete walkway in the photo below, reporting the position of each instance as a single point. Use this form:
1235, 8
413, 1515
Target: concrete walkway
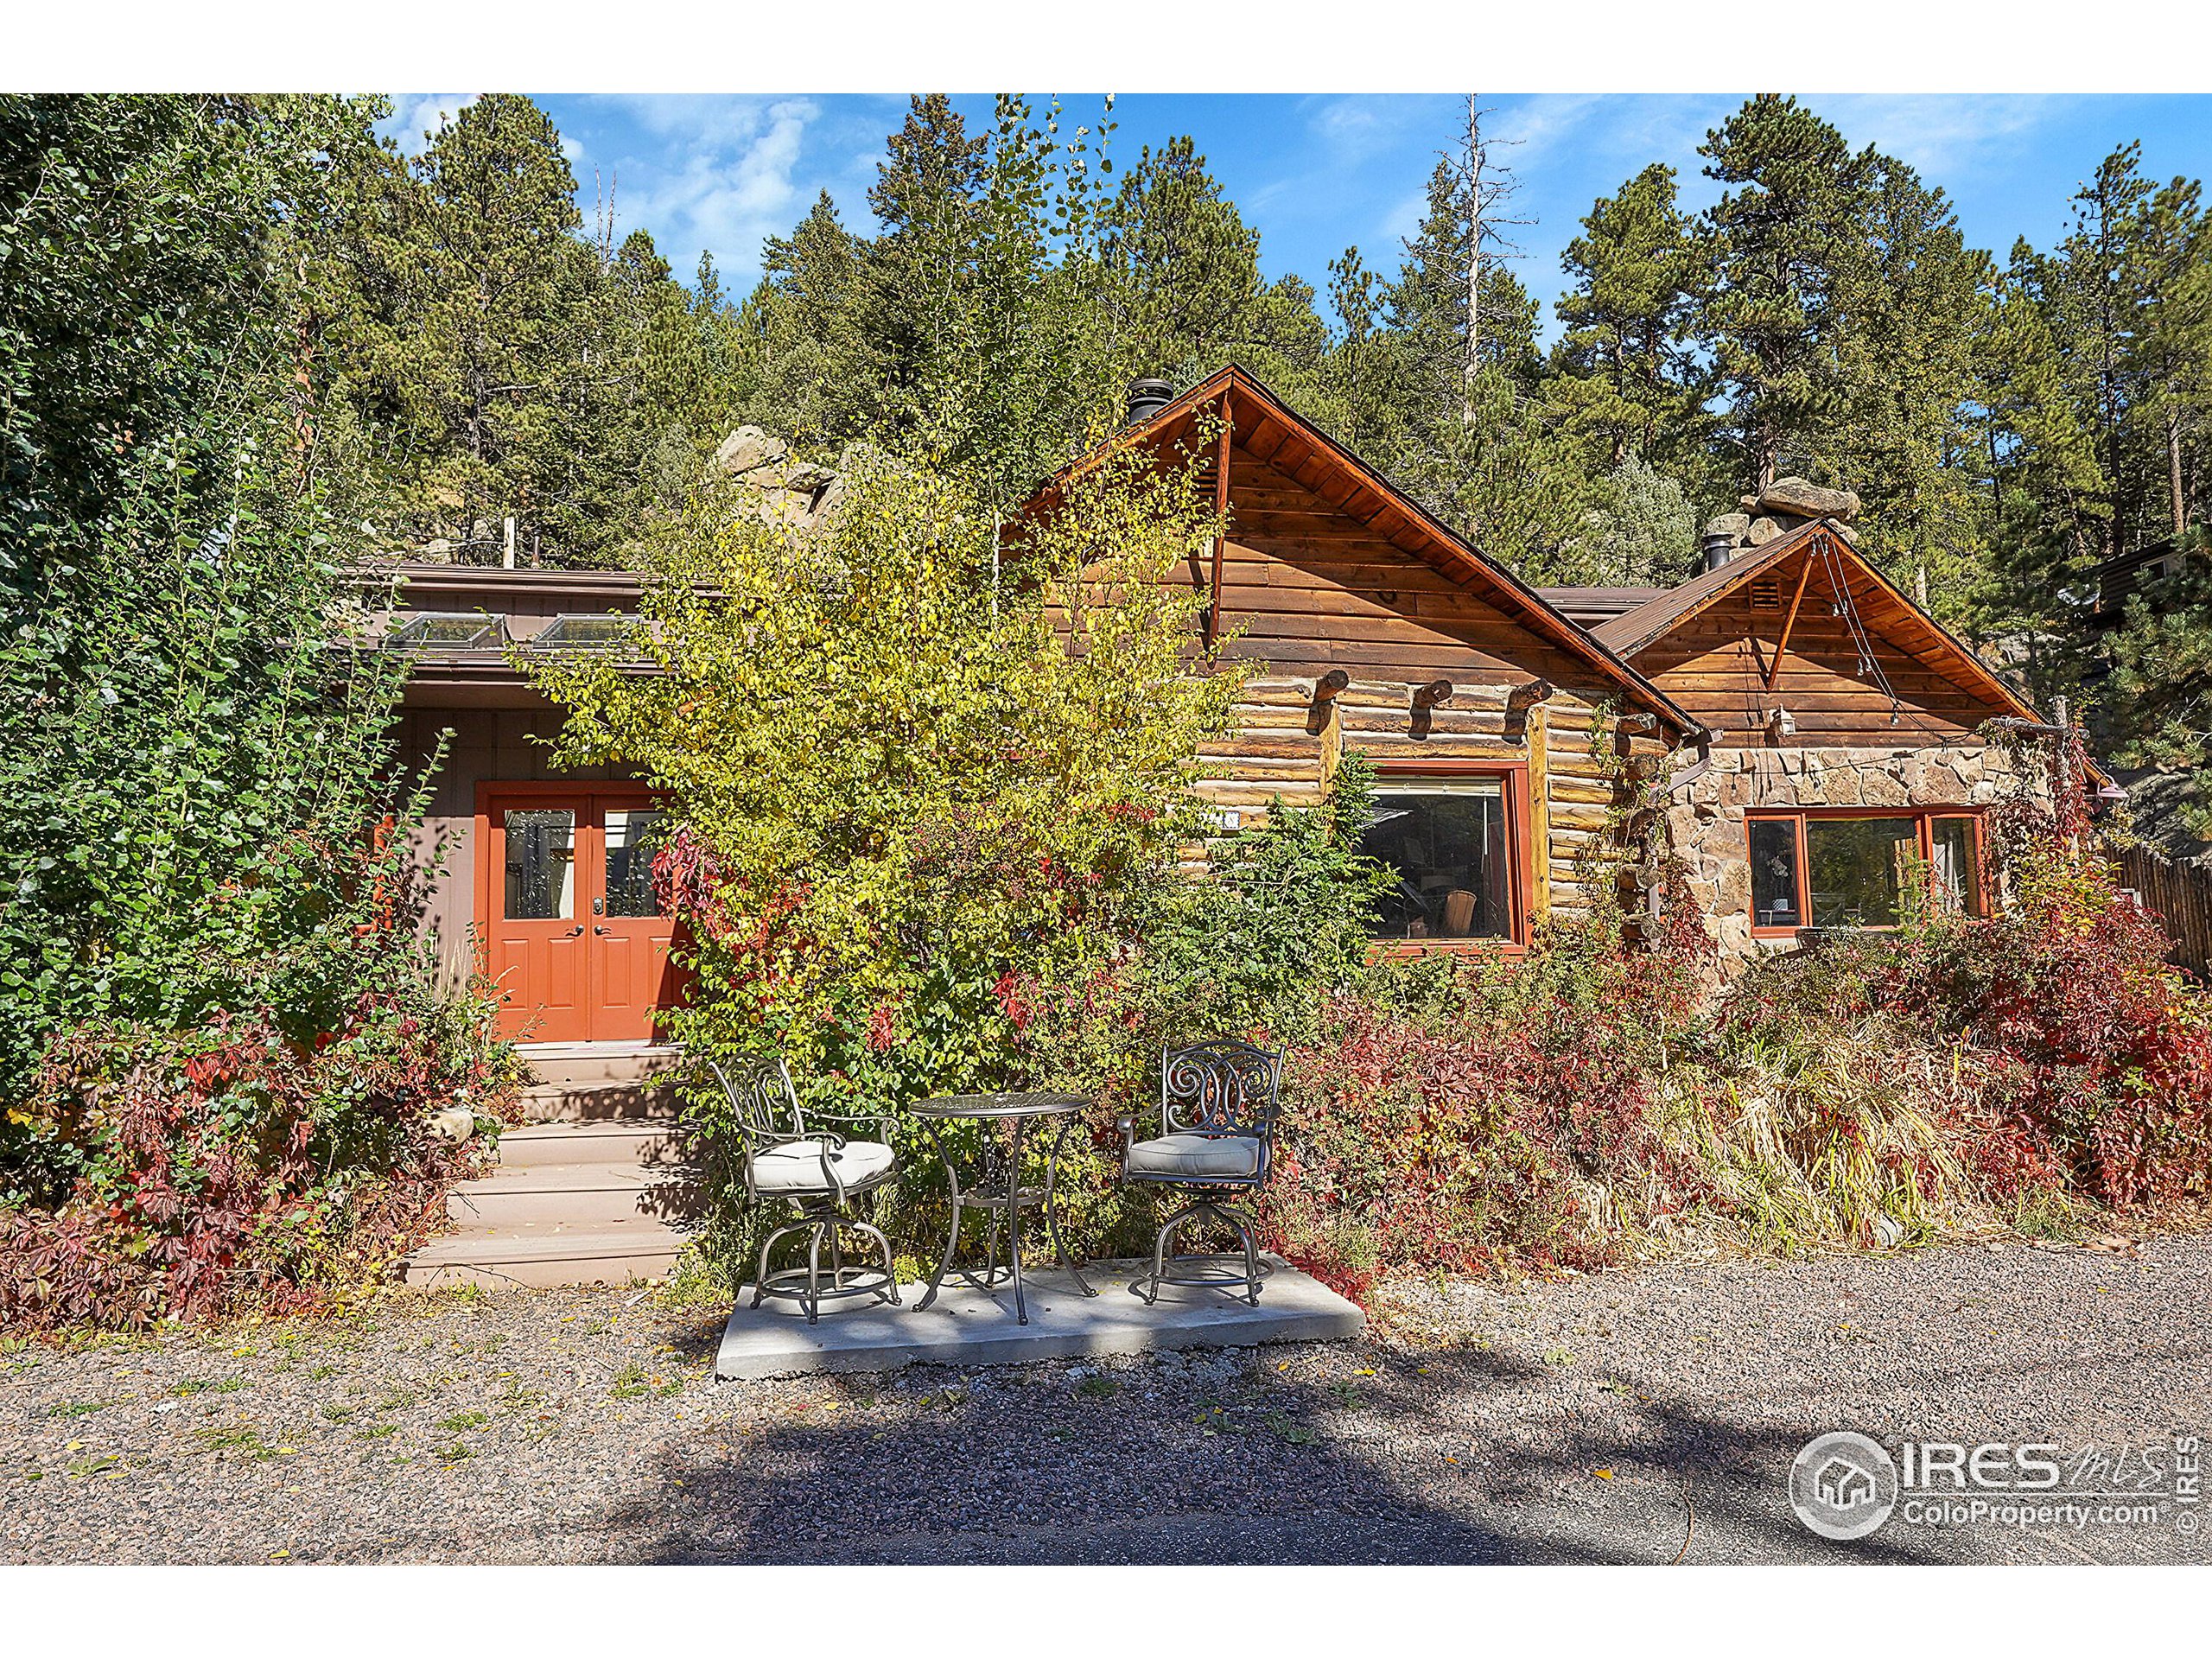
967, 1327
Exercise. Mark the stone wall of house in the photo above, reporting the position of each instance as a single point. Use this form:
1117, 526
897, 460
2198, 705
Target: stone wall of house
1704, 816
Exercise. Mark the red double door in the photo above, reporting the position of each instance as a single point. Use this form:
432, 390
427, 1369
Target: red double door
568, 928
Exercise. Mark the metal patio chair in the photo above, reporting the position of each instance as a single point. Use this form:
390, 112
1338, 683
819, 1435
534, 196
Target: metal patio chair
1217, 1126
788, 1158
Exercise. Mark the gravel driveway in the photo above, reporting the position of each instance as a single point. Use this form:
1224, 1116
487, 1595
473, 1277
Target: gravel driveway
1641, 1417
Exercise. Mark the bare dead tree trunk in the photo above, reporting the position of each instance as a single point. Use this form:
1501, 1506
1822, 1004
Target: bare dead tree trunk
2173, 471
1472, 358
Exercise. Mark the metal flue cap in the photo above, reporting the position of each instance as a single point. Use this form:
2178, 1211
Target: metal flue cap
1147, 399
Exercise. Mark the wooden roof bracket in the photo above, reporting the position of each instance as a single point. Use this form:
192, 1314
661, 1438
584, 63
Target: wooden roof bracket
1221, 529
1789, 622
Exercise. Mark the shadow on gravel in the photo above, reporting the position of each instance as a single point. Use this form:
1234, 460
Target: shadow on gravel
1178, 1465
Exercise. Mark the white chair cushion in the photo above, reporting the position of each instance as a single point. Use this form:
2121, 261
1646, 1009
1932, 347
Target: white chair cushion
796, 1166
1226, 1156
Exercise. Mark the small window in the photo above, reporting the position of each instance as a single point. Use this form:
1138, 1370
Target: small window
1955, 866
1827, 871
1766, 594
1774, 874
1452, 846
634, 835
541, 864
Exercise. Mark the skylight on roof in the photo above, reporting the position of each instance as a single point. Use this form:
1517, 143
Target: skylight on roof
449, 631
610, 631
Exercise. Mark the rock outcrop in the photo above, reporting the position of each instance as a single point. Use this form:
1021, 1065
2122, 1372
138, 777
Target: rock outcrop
1781, 507
781, 488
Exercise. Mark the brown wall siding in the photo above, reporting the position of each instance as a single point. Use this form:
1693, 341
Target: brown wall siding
1304, 582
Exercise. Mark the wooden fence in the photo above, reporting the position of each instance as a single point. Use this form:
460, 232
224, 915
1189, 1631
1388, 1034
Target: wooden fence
2181, 894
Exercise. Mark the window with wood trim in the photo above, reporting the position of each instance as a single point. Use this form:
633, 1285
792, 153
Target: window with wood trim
1454, 839
1844, 869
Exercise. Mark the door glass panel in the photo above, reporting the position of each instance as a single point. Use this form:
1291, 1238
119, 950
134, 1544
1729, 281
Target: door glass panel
1856, 870
1774, 874
541, 864
633, 840
1448, 843
1957, 880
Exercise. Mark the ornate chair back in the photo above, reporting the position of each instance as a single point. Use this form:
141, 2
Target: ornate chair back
1219, 1088
765, 1104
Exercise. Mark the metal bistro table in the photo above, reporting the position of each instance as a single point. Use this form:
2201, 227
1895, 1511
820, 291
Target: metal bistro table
1000, 1193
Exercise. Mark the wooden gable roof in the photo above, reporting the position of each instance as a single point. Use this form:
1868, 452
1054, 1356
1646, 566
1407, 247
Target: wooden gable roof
1267, 431
1820, 558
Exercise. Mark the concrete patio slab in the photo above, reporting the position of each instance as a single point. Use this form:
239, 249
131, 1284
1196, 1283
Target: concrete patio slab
967, 1326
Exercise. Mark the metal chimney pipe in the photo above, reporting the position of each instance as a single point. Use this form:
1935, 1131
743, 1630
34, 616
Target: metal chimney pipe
1718, 550
1147, 399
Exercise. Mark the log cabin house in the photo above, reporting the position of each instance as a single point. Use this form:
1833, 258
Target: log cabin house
1820, 728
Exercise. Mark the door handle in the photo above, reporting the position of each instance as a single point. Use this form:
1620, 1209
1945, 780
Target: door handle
573, 931
596, 931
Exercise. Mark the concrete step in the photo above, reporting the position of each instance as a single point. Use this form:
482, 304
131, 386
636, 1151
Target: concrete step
646, 1143
605, 1102
592, 1083
541, 1254
575, 1194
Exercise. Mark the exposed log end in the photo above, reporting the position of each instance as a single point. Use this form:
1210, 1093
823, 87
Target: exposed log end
1436, 692
1522, 698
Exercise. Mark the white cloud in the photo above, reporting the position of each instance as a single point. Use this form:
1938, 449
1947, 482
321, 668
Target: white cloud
1354, 129
1938, 136
416, 115
724, 180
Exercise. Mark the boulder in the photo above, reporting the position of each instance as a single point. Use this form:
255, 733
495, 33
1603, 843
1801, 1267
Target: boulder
1762, 531
1807, 500
747, 448
1728, 524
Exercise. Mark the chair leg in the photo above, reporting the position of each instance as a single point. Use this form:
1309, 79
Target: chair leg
761, 1278
890, 1266
1160, 1253
1251, 1257
812, 1301
1208, 1209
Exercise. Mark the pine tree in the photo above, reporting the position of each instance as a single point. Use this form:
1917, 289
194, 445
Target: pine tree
1780, 242
1910, 310
1636, 275
2172, 268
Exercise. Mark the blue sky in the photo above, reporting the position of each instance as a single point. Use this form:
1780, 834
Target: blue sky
1318, 173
